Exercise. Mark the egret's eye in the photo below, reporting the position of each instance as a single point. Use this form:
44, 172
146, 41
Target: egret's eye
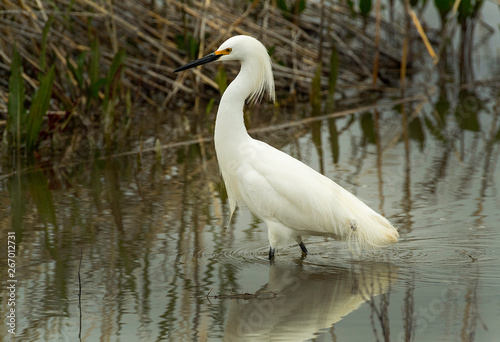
226, 51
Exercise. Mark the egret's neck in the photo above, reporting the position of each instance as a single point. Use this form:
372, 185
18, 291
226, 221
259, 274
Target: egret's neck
230, 130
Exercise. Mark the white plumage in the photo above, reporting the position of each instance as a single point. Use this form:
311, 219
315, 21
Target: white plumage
290, 197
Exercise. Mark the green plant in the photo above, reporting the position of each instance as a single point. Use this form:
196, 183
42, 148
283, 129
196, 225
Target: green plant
189, 44
332, 78
16, 113
94, 90
443, 7
365, 7
468, 9
23, 127
38, 109
96, 82
43, 52
78, 72
292, 10
112, 84
315, 97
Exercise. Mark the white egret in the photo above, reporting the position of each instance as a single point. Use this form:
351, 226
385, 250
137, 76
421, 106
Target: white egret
290, 197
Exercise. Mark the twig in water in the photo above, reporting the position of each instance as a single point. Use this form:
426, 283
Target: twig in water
258, 295
80, 296
209, 294
470, 256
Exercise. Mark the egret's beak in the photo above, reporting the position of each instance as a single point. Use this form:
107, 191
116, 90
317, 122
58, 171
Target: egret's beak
203, 60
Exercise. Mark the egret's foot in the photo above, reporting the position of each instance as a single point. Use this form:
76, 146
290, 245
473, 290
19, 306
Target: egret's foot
271, 253
303, 247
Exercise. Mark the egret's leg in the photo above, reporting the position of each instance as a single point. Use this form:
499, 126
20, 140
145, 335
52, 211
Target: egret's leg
273, 234
303, 247
271, 253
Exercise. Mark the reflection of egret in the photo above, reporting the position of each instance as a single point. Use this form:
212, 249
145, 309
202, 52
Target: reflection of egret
307, 301
290, 197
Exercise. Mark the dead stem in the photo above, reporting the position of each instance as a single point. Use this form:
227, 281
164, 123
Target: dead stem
150, 40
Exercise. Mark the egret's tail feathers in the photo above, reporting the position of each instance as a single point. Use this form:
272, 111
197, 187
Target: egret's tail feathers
370, 231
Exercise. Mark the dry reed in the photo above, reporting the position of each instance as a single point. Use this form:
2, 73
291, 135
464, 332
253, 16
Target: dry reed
155, 36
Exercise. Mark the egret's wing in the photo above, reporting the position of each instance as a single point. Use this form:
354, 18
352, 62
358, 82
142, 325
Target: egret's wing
277, 187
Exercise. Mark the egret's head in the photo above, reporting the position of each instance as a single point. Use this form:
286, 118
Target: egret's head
240, 48
252, 54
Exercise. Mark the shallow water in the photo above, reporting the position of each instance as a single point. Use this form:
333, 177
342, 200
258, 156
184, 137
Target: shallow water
151, 240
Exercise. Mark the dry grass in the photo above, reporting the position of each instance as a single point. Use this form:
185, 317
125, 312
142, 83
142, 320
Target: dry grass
154, 37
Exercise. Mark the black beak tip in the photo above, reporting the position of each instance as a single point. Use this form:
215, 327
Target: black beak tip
204, 60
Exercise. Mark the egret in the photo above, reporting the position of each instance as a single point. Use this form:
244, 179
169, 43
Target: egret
292, 199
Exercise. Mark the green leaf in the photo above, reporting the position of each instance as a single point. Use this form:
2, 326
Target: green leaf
189, 44
16, 113
209, 107
271, 50
332, 79
45, 33
302, 6
95, 86
282, 5
350, 4
194, 47
112, 83
444, 7
114, 72
78, 72
179, 40
95, 56
365, 7
38, 109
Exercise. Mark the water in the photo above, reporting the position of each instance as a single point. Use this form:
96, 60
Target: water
134, 248
152, 243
